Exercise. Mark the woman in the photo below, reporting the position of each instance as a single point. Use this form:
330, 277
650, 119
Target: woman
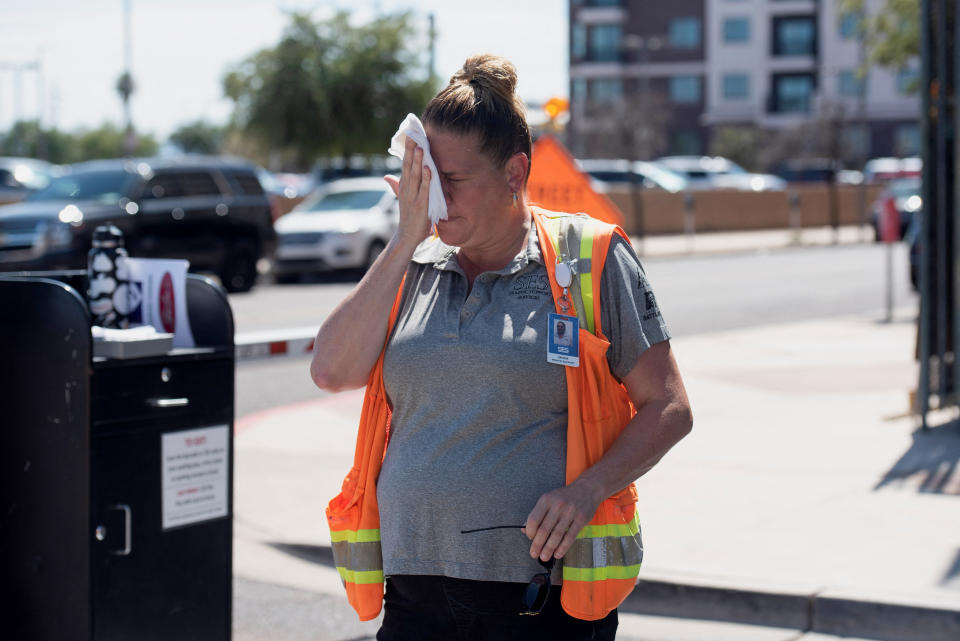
478, 434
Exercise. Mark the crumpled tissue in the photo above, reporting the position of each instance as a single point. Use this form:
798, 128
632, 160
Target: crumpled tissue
412, 127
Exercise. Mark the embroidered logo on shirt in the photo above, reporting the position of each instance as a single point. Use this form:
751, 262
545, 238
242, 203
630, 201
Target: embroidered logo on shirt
650, 306
530, 287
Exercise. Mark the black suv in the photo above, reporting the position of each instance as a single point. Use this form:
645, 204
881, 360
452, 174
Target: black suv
210, 211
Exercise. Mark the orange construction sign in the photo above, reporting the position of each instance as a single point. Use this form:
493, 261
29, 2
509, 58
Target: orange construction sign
555, 183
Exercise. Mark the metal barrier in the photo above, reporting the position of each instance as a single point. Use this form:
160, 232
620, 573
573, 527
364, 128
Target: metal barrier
267, 344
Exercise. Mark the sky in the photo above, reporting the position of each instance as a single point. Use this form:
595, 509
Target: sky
182, 48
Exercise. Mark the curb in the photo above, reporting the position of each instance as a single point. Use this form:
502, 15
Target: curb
820, 612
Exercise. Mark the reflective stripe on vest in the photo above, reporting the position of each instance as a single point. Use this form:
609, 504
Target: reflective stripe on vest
601, 552
563, 235
586, 281
359, 551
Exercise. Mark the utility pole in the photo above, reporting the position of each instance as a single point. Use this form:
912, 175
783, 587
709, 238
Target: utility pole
862, 117
18, 69
432, 34
125, 85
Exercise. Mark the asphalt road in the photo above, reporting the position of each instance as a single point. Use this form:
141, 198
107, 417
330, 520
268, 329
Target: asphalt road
697, 295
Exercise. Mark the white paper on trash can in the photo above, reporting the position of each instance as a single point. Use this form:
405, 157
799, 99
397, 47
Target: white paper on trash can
158, 296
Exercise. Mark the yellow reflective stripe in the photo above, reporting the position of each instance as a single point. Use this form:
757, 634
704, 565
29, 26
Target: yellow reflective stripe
611, 529
361, 578
553, 229
586, 279
600, 574
355, 536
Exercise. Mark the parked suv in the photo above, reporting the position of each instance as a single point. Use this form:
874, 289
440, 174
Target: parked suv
210, 211
345, 224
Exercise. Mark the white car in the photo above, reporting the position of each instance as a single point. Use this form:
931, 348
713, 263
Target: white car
345, 224
716, 172
605, 172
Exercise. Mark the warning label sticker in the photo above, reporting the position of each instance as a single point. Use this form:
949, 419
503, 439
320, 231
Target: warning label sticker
196, 468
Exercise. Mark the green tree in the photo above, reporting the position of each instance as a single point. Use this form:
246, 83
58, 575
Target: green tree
892, 34
199, 137
330, 87
28, 138
740, 144
108, 141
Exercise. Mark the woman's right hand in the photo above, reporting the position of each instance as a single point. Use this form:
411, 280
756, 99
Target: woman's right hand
413, 192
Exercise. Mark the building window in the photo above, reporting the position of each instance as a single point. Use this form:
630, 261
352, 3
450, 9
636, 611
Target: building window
578, 41
855, 140
685, 89
685, 33
906, 140
736, 30
792, 93
794, 36
606, 89
685, 142
736, 86
578, 89
604, 42
849, 83
908, 80
849, 26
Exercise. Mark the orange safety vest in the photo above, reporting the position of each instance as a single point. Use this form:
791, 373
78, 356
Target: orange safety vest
600, 569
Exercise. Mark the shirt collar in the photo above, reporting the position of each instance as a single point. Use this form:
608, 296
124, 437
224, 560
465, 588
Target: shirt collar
444, 257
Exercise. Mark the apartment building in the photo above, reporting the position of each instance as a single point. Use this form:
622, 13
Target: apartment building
664, 77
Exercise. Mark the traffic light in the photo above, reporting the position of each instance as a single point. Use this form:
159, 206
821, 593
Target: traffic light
556, 106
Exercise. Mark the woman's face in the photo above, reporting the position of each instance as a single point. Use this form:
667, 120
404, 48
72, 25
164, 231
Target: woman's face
479, 197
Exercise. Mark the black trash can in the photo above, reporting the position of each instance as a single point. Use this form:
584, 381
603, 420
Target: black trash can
116, 475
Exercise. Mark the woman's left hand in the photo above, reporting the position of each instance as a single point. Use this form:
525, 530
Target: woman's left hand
558, 517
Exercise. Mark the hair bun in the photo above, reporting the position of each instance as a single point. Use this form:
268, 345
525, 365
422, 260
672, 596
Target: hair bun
481, 100
487, 71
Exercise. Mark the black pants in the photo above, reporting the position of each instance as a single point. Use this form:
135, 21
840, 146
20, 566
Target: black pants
427, 608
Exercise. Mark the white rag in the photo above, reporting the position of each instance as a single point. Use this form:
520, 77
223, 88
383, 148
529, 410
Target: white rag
412, 127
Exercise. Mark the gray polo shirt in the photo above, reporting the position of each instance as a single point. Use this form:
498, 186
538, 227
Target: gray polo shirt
479, 416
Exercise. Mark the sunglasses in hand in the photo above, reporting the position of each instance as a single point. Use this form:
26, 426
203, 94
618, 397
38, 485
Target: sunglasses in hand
536, 593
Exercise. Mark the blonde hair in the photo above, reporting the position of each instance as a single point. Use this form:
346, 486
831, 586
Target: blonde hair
481, 99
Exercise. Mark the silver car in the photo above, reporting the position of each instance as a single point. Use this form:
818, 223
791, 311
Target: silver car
345, 224
605, 172
716, 172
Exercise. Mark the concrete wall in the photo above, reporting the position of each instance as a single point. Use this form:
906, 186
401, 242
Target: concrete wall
725, 210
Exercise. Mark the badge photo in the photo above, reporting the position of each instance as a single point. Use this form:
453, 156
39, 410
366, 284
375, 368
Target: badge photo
563, 340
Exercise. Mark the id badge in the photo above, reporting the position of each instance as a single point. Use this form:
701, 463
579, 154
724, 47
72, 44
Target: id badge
563, 340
